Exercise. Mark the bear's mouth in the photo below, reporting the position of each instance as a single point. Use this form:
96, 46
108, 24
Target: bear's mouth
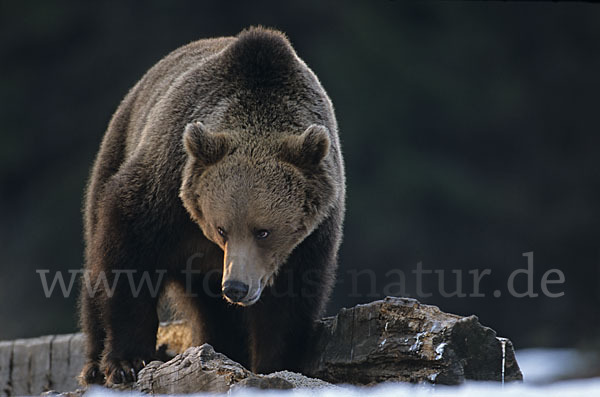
255, 291
249, 300
264, 281
252, 300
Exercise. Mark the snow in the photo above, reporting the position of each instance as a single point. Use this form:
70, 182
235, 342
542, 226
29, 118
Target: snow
576, 388
439, 350
541, 369
547, 365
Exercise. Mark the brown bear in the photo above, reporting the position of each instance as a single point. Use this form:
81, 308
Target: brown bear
220, 174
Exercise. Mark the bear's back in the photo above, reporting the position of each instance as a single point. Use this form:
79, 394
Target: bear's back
157, 81
253, 82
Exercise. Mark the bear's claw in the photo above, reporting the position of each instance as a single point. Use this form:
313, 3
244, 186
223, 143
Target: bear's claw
118, 372
90, 374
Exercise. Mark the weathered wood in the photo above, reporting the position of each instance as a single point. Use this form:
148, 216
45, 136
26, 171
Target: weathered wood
395, 339
203, 369
66, 360
399, 339
76, 361
30, 367
6, 351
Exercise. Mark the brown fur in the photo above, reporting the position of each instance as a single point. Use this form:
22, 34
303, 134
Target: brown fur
235, 133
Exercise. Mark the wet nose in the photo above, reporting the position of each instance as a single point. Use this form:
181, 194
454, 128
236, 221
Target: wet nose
235, 290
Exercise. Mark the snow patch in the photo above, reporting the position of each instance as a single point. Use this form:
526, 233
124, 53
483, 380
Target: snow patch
417, 345
439, 350
577, 388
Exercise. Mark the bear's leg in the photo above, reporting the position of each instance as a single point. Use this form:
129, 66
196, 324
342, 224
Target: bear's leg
278, 336
131, 325
93, 328
128, 248
282, 321
224, 328
212, 319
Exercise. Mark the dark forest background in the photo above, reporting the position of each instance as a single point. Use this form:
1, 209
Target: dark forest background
470, 132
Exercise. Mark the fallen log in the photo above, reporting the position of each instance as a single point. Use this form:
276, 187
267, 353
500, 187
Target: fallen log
391, 340
395, 339
202, 369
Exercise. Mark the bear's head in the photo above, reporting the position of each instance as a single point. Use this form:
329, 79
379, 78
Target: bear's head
256, 198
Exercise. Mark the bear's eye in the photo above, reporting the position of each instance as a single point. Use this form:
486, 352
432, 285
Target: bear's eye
262, 234
221, 232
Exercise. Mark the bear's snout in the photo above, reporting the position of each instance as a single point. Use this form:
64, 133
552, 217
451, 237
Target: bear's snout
235, 291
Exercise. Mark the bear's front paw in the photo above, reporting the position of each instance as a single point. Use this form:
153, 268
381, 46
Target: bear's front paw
119, 372
91, 374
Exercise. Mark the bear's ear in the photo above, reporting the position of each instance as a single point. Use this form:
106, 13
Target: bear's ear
308, 149
204, 146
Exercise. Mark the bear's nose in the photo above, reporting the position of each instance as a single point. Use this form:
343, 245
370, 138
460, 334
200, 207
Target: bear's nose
235, 290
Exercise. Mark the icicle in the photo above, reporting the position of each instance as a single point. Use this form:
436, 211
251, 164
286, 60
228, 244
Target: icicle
503, 344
